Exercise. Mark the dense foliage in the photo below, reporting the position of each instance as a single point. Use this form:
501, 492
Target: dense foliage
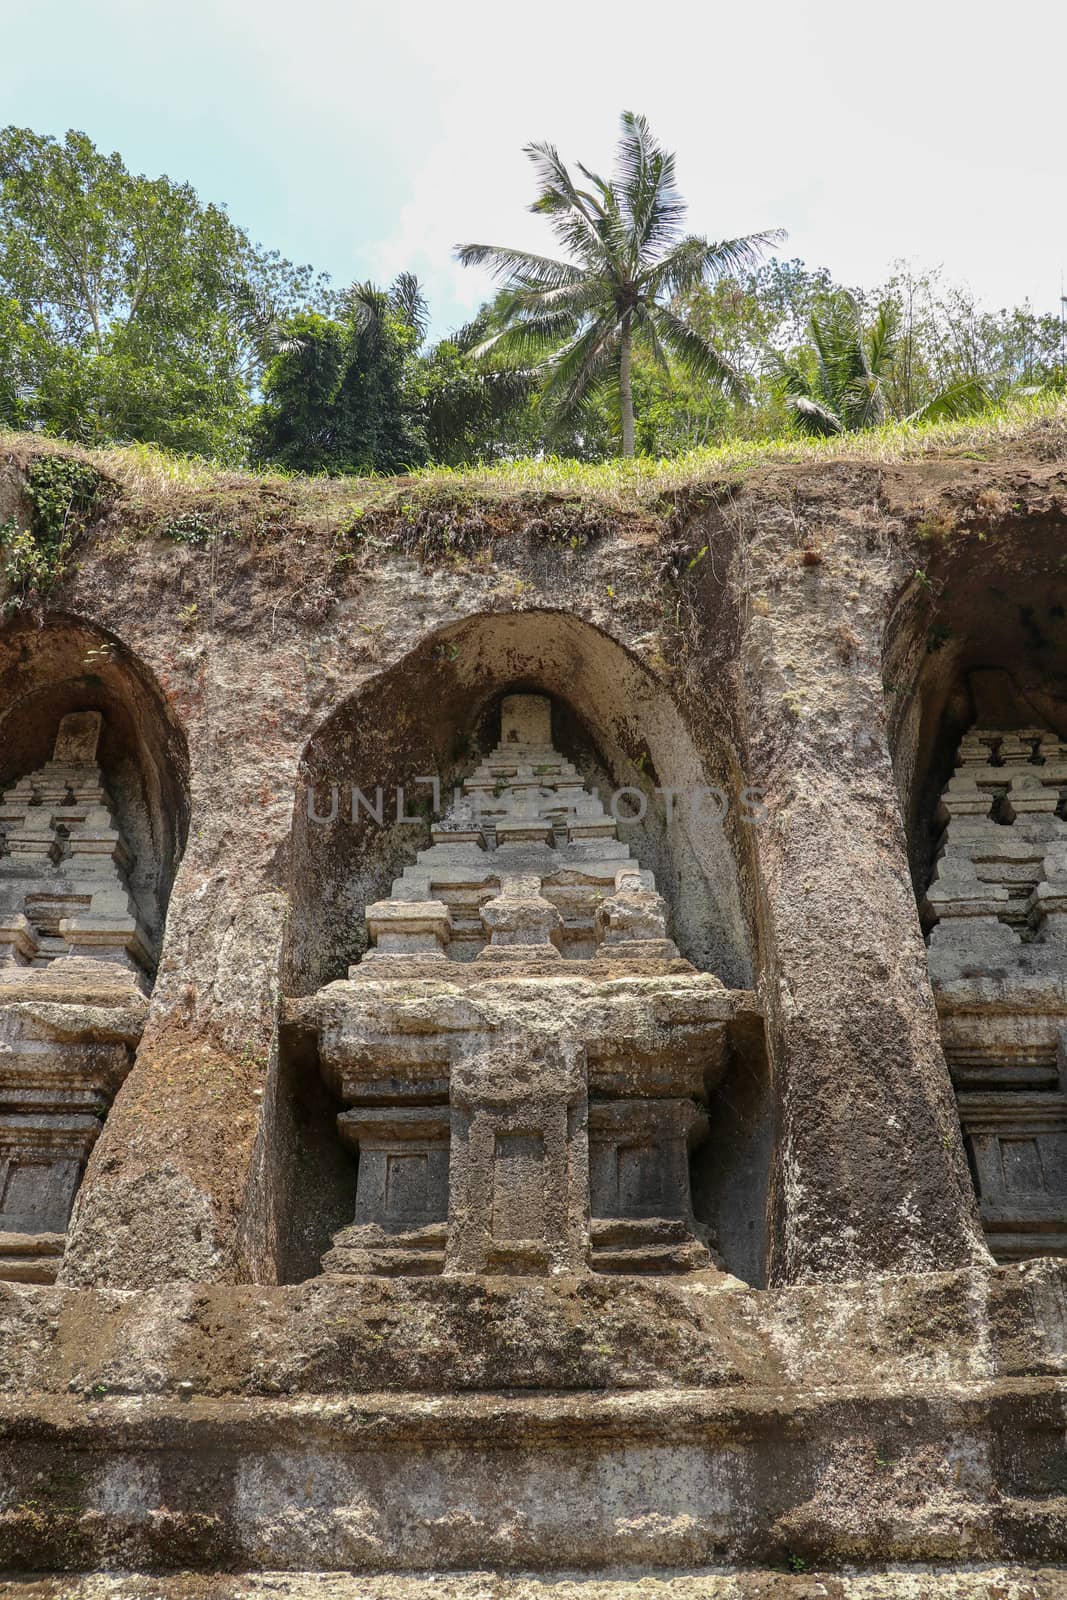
116, 295
335, 395
63, 494
839, 384
131, 310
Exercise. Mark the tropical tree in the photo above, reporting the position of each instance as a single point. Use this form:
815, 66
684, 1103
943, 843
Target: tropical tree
839, 384
473, 409
627, 261
115, 296
16, 364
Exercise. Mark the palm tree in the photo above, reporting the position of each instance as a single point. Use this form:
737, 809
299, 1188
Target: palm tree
841, 386
627, 260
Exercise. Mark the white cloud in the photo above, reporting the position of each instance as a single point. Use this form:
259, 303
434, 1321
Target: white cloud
370, 140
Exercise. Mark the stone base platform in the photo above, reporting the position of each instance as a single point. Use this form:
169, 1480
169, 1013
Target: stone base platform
31, 1257
656, 1245
982, 1582
594, 1424
419, 1253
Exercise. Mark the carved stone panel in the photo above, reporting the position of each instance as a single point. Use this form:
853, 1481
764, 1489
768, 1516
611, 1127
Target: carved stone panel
1018, 1146
402, 1191
642, 1215
520, 1164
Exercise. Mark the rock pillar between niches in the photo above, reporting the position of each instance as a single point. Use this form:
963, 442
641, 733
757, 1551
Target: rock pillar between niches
870, 1175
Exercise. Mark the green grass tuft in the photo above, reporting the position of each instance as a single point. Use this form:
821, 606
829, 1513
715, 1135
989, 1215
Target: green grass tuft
155, 477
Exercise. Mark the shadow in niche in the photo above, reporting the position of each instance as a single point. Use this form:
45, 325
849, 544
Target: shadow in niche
318, 1190
730, 1173
438, 711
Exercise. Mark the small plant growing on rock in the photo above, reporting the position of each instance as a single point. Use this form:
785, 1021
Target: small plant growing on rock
63, 493
191, 527
25, 567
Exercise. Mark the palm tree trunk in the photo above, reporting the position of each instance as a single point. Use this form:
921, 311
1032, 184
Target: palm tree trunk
626, 392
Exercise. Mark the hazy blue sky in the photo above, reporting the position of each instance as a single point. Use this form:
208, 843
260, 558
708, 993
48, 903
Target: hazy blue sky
367, 140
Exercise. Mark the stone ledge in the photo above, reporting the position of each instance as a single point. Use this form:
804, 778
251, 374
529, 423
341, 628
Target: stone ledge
666, 1481
535, 1423
205, 1427
664, 1419
963, 1582
435, 1336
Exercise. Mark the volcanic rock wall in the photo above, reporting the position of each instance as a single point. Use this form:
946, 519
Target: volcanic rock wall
776, 674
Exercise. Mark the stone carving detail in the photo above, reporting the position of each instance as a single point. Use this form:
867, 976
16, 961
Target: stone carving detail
526, 864
523, 1054
402, 1203
62, 862
997, 907
73, 962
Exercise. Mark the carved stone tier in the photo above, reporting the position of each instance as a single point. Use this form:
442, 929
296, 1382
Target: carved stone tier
63, 889
529, 1075
527, 860
67, 1036
997, 909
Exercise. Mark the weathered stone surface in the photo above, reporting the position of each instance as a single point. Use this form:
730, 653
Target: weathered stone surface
971, 1581
602, 1420
171, 1404
871, 1175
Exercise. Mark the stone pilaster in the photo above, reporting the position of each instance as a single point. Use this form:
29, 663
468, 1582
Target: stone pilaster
520, 1160
402, 1195
642, 1212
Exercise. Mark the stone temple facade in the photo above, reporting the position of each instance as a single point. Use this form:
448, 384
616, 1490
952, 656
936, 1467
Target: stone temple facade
533, 1038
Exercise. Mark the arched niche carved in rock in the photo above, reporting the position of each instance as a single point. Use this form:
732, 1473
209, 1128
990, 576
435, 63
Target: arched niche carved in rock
587, 720
977, 674
93, 818
438, 709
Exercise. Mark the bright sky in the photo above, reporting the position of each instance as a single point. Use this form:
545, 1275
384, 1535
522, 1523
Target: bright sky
371, 138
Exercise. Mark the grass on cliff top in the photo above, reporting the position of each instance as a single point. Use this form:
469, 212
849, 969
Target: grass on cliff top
159, 479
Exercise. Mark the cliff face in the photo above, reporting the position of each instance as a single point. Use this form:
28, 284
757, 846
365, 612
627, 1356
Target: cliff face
774, 671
